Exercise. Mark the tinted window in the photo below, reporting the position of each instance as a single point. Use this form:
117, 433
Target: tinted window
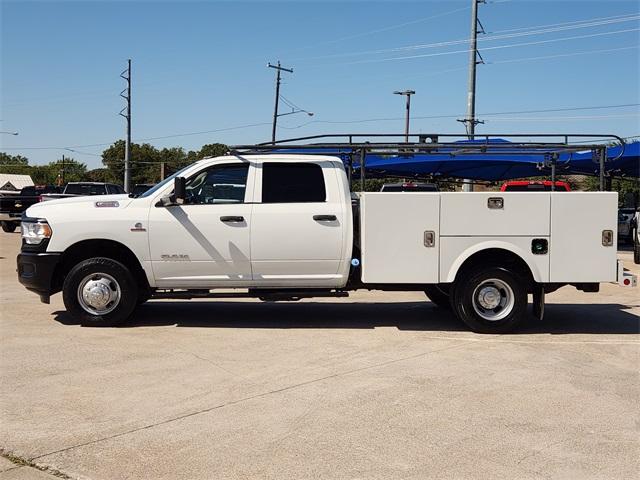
292, 183
219, 184
85, 189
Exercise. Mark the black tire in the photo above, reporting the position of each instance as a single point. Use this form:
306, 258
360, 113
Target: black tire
510, 289
111, 275
636, 254
9, 226
438, 294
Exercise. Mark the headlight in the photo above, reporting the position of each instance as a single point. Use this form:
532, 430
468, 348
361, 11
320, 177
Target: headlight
34, 233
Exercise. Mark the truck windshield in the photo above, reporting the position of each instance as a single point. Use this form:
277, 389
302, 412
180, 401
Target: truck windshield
160, 185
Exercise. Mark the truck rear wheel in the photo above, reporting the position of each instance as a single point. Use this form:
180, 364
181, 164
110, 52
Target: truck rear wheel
100, 292
490, 300
438, 294
9, 226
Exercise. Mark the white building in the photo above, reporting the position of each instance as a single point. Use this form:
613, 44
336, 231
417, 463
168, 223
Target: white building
11, 183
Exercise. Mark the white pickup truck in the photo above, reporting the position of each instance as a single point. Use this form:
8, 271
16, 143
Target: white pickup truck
286, 226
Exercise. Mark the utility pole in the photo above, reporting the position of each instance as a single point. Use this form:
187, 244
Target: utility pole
161, 171
62, 174
470, 121
126, 113
408, 94
278, 69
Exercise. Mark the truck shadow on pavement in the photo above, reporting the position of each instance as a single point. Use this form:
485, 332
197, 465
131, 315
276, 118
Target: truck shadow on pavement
422, 316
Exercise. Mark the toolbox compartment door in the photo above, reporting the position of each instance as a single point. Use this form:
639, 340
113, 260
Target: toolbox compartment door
393, 227
577, 222
470, 214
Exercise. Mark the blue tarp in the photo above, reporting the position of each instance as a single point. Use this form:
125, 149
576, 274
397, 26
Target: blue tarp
485, 166
501, 167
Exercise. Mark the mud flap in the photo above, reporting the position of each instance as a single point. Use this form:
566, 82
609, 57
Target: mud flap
538, 301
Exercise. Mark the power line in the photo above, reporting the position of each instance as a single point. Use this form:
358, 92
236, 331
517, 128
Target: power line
539, 42
561, 119
383, 29
560, 55
516, 60
567, 23
488, 114
537, 30
336, 122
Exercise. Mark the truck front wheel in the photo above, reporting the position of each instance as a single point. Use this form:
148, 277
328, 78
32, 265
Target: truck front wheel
100, 292
490, 299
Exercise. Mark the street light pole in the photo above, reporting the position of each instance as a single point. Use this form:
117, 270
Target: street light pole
408, 94
10, 133
278, 69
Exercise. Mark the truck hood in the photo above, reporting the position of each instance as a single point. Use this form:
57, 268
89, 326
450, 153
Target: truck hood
41, 209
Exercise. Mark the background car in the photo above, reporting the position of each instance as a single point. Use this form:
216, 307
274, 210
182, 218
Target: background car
534, 186
625, 224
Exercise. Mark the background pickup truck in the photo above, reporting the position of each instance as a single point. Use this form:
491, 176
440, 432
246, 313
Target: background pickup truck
12, 206
284, 227
78, 189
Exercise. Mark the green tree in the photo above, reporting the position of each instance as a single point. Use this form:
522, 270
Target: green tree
143, 157
147, 160
68, 171
16, 164
101, 175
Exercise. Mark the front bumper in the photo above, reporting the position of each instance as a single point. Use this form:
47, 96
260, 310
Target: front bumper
36, 272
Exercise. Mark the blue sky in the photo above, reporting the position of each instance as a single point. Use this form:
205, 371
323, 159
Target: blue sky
200, 66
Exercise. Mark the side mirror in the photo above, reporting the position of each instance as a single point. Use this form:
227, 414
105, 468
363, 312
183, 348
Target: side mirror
179, 190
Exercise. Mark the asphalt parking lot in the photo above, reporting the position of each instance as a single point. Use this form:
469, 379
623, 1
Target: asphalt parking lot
376, 386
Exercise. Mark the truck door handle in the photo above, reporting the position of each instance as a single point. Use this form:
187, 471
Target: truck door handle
325, 218
231, 219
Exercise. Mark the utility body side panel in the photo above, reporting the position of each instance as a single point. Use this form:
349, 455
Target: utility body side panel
577, 222
393, 227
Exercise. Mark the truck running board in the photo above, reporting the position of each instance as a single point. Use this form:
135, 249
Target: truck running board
270, 295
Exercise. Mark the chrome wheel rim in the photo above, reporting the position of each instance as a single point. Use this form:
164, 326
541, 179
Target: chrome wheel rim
493, 300
99, 294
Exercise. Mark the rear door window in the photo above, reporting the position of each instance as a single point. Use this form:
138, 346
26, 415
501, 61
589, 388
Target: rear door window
292, 183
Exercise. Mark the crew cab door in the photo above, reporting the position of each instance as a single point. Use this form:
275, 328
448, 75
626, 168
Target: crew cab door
299, 224
205, 241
